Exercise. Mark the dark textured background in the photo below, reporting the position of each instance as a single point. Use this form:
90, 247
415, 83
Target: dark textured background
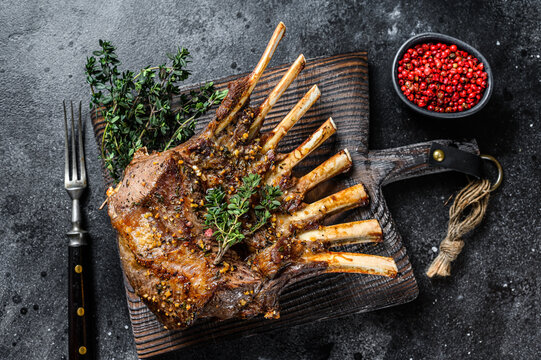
489, 308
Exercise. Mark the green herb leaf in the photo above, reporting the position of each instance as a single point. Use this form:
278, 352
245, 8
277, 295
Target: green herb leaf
225, 216
137, 108
268, 202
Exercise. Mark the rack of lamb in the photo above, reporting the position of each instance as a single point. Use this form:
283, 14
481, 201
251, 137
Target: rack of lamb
186, 265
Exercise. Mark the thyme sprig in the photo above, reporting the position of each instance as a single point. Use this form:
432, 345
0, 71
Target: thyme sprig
137, 108
225, 216
268, 202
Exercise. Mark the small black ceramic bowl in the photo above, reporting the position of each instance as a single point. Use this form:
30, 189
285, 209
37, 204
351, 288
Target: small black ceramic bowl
449, 40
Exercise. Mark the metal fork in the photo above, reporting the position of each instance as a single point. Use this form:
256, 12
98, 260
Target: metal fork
75, 184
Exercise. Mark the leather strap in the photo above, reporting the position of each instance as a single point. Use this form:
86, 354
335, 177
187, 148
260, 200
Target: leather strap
452, 158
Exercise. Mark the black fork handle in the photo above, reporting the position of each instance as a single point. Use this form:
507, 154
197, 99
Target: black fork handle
77, 303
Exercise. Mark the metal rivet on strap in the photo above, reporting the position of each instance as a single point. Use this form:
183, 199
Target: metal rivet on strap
78, 269
438, 155
82, 350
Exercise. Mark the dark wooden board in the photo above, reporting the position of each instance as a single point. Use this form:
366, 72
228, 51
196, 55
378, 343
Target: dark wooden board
343, 80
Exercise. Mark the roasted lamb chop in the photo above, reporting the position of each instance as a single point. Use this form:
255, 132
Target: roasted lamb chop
168, 241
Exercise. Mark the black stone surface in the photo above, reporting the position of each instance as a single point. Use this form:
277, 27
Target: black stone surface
488, 309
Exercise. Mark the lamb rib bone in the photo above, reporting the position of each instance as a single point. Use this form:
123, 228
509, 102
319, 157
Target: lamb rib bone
291, 118
355, 263
276, 93
255, 75
346, 199
357, 232
303, 150
335, 165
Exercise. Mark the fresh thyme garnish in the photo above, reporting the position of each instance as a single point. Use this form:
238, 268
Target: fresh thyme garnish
267, 203
225, 216
137, 109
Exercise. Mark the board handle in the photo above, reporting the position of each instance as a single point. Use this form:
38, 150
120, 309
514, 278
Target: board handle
411, 160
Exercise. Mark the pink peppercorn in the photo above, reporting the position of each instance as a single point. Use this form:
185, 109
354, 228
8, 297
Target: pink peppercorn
441, 78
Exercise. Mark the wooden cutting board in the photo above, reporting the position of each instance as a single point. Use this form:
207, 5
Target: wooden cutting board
343, 80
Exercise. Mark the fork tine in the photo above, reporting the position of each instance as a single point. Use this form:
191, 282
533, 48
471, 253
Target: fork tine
73, 148
82, 169
66, 147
